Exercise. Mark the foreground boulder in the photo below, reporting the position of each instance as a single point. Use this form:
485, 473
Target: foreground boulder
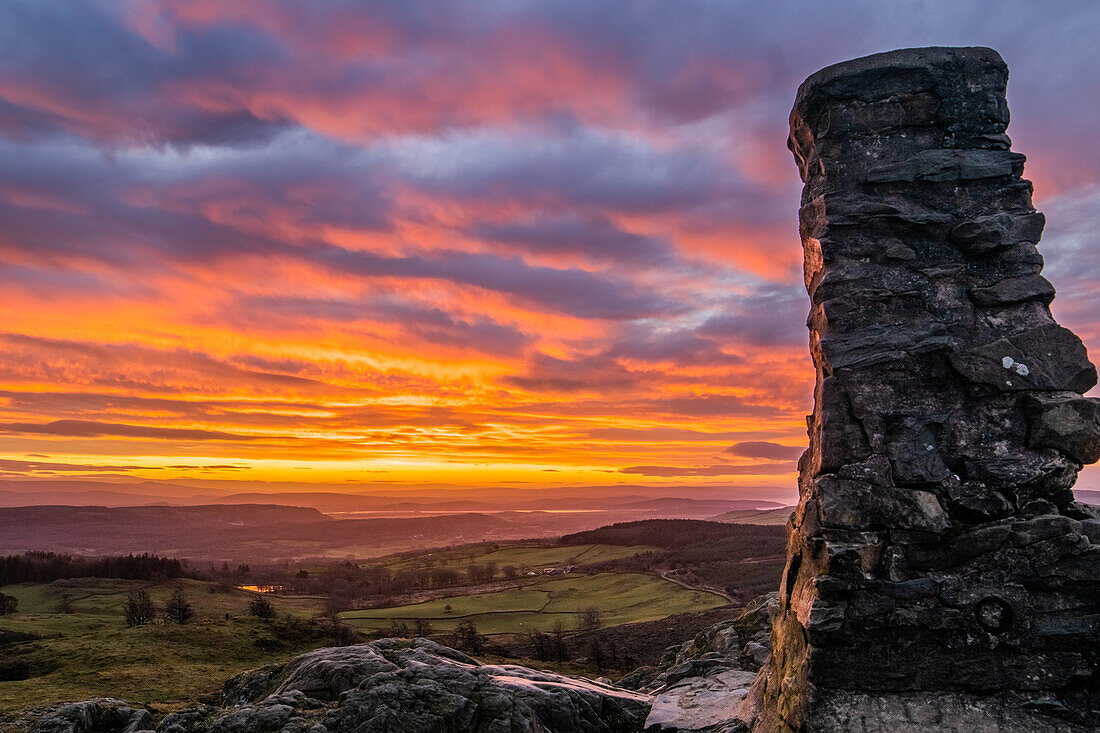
940, 575
700, 686
388, 686
92, 716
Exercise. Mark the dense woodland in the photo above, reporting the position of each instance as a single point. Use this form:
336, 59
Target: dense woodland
742, 559
348, 582
679, 533
45, 567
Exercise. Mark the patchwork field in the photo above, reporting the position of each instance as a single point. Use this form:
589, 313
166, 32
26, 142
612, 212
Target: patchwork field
73, 637
520, 556
621, 598
87, 650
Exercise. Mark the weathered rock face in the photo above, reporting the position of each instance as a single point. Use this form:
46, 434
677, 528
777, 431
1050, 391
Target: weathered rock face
940, 575
389, 686
699, 686
91, 716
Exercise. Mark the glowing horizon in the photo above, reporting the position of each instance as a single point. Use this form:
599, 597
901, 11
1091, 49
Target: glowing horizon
483, 244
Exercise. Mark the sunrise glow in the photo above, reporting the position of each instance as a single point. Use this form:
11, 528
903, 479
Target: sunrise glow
347, 251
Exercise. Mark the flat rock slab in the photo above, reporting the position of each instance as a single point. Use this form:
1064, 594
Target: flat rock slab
699, 703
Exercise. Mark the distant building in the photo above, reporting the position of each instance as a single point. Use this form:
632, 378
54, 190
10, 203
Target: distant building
262, 588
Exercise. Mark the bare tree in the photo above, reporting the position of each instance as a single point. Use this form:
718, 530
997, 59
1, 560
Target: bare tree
138, 608
422, 627
596, 653
540, 644
557, 633
341, 634
467, 637
589, 619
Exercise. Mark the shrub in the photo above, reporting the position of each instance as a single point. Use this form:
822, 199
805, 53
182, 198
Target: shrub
177, 610
12, 670
261, 608
589, 619
466, 637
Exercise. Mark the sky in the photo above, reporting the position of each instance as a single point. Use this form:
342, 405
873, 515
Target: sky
384, 245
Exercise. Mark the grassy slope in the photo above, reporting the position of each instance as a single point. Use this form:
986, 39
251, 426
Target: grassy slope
534, 556
91, 652
621, 598
756, 516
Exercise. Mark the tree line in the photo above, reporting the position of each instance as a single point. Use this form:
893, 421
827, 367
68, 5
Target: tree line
680, 533
348, 582
45, 567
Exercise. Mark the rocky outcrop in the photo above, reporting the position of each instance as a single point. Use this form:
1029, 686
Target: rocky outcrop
699, 686
399, 685
388, 686
92, 716
940, 575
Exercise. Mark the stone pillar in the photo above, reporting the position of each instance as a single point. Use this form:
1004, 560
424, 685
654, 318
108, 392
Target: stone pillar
940, 575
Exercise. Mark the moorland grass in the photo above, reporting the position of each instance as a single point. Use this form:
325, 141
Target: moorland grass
521, 556
88, 651
537, 604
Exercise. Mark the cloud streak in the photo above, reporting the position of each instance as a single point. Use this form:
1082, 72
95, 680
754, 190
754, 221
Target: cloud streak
460, 243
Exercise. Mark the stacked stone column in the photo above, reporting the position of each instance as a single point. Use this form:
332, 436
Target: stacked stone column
940, 575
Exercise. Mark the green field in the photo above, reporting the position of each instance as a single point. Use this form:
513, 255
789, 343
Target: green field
521, 556
90, 652
84, 648
621, 598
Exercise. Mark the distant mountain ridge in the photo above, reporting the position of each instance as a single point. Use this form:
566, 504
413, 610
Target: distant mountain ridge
222, 531
272, 531
92, 493
23, 492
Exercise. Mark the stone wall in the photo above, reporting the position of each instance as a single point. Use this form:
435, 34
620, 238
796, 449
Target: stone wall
940, 575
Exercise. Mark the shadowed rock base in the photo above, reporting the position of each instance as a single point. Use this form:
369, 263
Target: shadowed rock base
940, 575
